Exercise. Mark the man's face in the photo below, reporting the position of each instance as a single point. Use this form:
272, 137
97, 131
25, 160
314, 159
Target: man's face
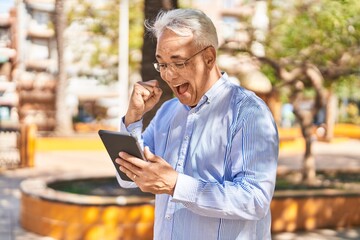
188, 80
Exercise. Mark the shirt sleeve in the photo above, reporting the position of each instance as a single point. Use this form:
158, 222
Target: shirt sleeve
134, 129
247, 191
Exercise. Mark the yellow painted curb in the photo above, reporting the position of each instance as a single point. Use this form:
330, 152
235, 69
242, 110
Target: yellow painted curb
56, 144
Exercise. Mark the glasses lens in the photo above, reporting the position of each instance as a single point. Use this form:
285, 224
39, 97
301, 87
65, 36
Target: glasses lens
160, 67
157, 67
179, 66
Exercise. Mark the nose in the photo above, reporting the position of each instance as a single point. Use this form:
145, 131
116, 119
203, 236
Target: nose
169, 73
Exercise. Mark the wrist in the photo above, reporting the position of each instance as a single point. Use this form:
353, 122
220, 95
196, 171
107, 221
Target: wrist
173, 183
130, 118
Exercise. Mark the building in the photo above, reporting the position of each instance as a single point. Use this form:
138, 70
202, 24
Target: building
8, 65
28, 68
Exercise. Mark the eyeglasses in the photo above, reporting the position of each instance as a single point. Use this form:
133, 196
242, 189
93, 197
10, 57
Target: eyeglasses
162, 67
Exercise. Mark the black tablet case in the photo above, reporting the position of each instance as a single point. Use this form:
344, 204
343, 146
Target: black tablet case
116, 142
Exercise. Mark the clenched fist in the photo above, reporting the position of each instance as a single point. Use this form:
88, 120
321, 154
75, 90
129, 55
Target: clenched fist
144, 97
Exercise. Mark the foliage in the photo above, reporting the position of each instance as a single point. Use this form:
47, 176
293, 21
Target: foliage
324, 33
348, 87
101, 22
312, 45
270, 73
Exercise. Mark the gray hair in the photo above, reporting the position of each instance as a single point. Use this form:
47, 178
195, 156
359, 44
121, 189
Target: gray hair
183, 22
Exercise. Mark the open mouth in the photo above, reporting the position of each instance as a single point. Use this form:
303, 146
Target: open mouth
181, 88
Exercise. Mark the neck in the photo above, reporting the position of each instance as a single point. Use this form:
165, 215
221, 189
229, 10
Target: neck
215, 74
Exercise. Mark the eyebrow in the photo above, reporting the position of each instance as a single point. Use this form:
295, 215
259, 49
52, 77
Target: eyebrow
172, 57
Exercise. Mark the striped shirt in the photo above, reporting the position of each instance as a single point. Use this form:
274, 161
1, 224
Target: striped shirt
225, 150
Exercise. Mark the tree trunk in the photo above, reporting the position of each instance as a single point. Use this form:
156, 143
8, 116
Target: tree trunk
331, 108
274, 104
305, 118
152, 8
316, 78
309, 168
63, 124
296, 79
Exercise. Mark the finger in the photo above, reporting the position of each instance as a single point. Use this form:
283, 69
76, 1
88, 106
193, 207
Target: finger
143, 92
128, 173
146, 95
147, 86
157, 93
151, 83
155, 97
128, 167
130, 160
149, 155
152, 86
125, 170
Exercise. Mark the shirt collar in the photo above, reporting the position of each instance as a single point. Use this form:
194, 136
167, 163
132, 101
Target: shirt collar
212, 92
218, 86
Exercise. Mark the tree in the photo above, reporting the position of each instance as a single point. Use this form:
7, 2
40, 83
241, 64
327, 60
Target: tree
63, 124
152, 8
311, 47
101, 23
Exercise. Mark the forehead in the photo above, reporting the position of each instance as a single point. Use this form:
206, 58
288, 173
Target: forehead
171, 45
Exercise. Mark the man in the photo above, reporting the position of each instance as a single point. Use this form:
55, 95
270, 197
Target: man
211, 152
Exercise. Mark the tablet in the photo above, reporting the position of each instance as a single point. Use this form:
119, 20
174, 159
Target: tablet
116, 142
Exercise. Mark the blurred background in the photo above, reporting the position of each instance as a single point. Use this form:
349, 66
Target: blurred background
67, 67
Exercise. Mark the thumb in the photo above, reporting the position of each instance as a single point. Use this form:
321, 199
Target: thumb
148, 154
155, 97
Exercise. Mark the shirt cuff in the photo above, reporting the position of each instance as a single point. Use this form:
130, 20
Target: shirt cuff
186, 189
134, 129
125, 184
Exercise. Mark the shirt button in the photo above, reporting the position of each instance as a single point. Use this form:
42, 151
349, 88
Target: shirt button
179, 164
186, 137
167, 217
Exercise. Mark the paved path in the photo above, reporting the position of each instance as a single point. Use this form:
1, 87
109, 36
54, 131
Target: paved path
341, 155
344, 154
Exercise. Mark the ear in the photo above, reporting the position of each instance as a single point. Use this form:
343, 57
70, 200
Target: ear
210, 57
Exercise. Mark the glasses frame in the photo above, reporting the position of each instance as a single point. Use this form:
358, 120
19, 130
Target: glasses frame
162, 67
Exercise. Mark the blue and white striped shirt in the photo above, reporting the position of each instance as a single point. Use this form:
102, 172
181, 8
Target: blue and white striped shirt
226, 151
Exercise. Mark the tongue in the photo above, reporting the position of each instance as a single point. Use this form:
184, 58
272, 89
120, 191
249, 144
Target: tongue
183, 88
